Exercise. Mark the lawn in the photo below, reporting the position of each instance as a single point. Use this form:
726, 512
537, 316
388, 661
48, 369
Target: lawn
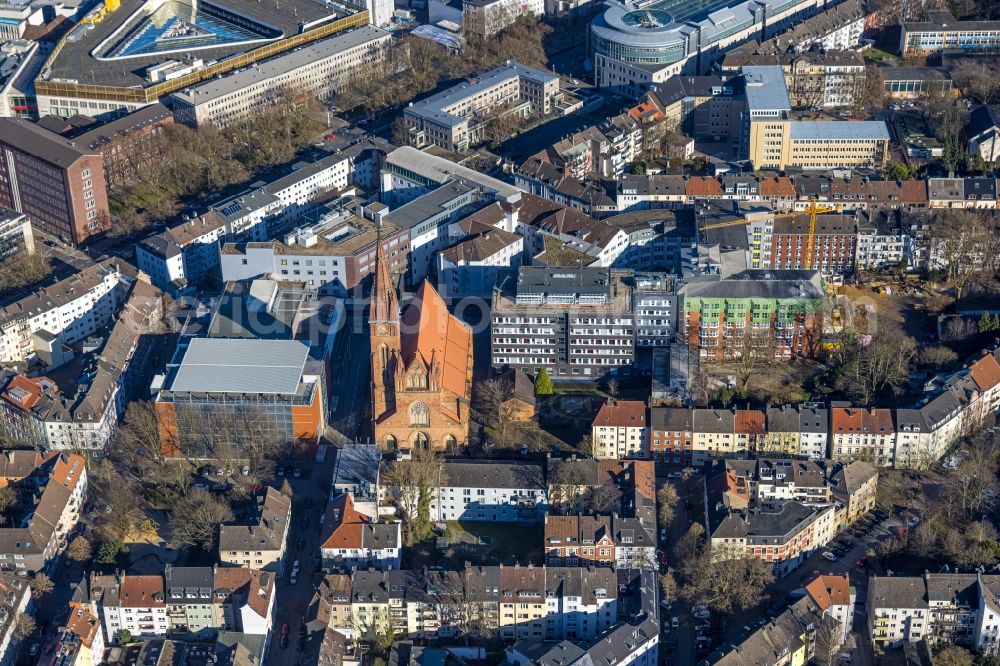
479, 544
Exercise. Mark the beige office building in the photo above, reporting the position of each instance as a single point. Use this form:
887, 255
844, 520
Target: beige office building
818, 144
319, 69
454, 119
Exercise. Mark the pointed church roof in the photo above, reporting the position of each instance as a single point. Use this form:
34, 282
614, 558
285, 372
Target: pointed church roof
385, 302
433, 334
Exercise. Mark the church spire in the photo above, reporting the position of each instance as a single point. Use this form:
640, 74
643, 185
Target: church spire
385, 302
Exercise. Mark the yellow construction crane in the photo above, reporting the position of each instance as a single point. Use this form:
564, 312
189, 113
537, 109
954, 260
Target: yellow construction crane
812, 210
720, 225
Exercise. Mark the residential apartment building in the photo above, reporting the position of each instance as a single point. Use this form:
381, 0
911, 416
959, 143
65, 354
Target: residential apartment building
15, 595
478, 491
454, 119
853, 486
482, 256
69, 311
267, 389
260, 541
350, 539
755, 312
332, 256
671, 435
37, 411
792, 637
79, 641
427, 219
319, 69
579, 484
983, 131
941, 609
834, 243
54, 488
620, 430
196, 600
863, 434
943, 32
591, 242
488, 17
814, 78
783, 535
539, 603
59, 185
190, 252
599, 541
576, 324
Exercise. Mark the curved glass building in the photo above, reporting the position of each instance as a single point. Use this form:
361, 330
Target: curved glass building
634, 44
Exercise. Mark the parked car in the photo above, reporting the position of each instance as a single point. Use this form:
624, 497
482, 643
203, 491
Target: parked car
829, 556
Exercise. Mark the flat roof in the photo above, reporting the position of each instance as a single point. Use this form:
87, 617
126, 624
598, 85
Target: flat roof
75, 60
283, 64
838, 130
218, 365
765, 88
439, 170
427, 206
433, 107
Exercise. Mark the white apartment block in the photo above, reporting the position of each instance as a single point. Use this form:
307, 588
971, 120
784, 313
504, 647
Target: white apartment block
488, 17
321, 68
620, 430
69, 310
191, 251
482, 491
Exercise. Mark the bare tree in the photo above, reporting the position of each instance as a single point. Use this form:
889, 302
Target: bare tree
413, 484
24, 627
977, 78
79, 549
828, 638
196, 517
966, 244
568, 483
666, 498
726, 582
23, 269
493, 406
882, 364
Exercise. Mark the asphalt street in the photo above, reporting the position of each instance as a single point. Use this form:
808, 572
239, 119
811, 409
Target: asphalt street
292, 601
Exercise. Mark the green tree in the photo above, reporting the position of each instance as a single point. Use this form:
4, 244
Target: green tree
985, 323
111, 551
123, 636
898, 171
543, 384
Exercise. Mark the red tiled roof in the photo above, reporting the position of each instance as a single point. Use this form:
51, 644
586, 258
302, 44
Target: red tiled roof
436, 336
703, 186
985, 372
749, 421
860, 420
344, 524
82, 623
830, 590
622, 413
141, 592
779, 186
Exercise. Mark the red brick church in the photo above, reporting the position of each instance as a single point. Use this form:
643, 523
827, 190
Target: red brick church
421, 368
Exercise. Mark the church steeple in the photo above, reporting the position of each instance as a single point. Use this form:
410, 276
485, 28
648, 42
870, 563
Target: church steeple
385, 302
383, 331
